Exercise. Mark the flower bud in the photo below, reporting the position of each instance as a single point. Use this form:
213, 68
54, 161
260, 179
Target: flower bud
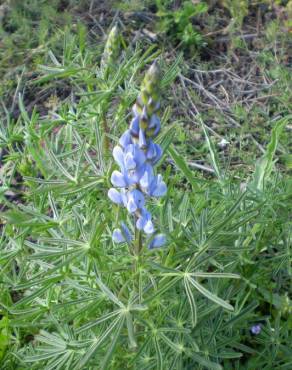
112, 47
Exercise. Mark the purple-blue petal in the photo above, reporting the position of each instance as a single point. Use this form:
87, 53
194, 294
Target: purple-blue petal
136, 153
158, 153
140, 223
147, 177
130, 162
126, 232
151, 151
134, 126
158, 187
149, 228
154, 121
142, 139
139, 198
117, 236
157, 129
158, 241
124, 197
115, 196
126, 139
118, 179
134, 176
118, 155
144, 217
132, 206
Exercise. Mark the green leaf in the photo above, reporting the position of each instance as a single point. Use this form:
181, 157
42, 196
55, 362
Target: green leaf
264, 165
92, 324
97, 342
111, 348
205, 362
36, 294
109, 294
159, 356
181, 164
163, 289
210, 295
213, 154
192, 302
130, 327
215, 275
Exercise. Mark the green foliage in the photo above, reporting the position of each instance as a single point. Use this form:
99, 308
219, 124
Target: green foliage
177, 24
264, 165
238, 10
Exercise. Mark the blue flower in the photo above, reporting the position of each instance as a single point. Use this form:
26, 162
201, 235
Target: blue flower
157, 187
122, 235
135, 126
118, 155
126, 139
134, 157
154, 152
135, 200
147, 178
158, 241
118, 179
256, 329
115, 196
144, 222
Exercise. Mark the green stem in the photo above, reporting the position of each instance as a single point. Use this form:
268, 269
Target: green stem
105, 143
137, 249
137, 255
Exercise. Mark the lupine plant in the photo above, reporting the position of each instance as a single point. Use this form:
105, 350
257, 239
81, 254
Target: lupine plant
131, 282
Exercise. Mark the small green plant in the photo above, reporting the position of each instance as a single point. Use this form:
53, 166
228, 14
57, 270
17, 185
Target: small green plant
177, 24
238, 9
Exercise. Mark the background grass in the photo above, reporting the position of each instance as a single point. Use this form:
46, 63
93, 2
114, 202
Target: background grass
69, 298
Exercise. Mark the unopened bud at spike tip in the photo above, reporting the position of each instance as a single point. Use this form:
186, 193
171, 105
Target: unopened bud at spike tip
112, 46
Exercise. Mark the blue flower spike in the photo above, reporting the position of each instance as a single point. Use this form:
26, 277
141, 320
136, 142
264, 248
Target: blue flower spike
136, 155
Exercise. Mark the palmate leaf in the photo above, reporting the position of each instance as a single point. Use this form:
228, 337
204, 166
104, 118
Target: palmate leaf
159, 355
60, 166
117, 323
92, 324
37, 293
111, 348
59, 349
107, 292
63, 362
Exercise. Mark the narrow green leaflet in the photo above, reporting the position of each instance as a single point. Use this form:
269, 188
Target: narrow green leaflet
210, 295
182, 165
205, 362
111, 348
264, 165
191, 301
